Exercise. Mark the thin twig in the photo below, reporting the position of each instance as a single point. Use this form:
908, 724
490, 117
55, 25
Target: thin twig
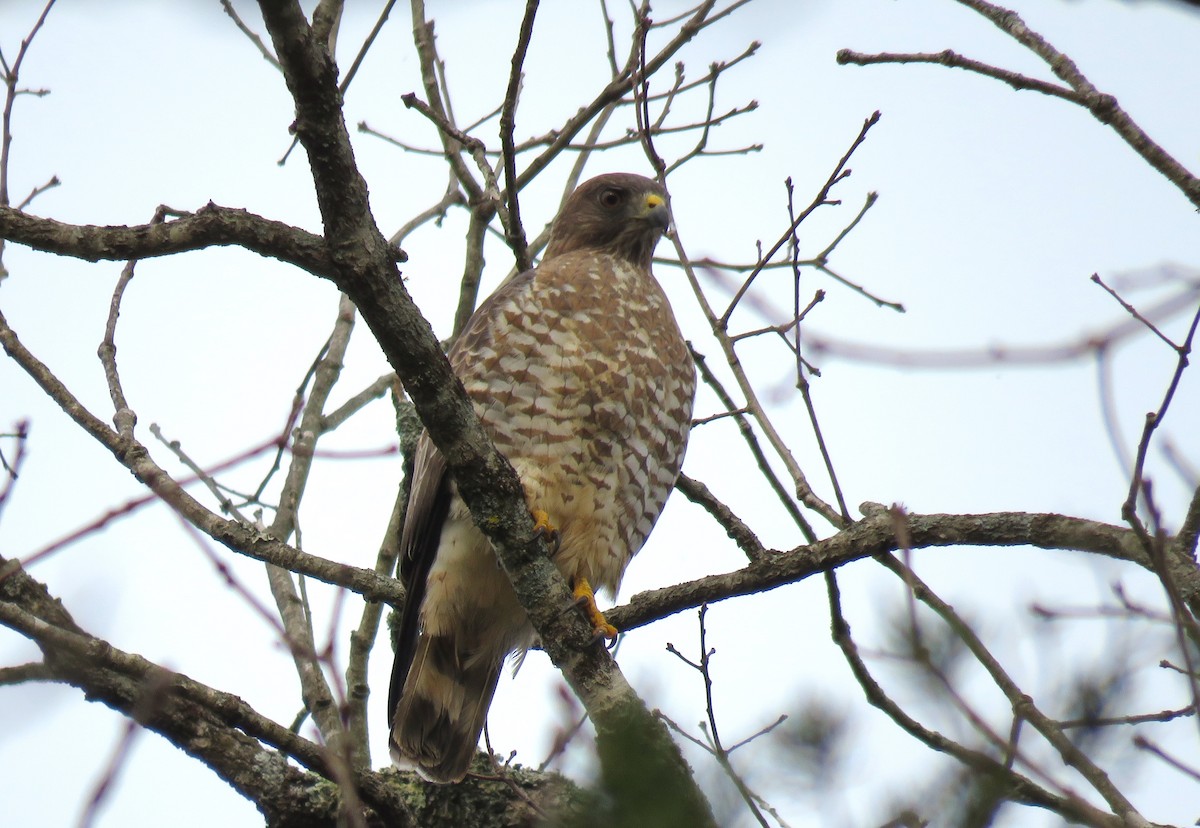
802, 383
1078, 90
1016, 786
1135, 719
751, 440
198, 473
11, 78
821, 199
1142, 743
514, 232
153, 690
953, 60
734, 526
13, 470
358, 402
1022, 704
715, 747
254, 38
37, 191
315, 687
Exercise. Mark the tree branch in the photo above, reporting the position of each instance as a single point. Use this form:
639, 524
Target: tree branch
1103, 107
238, 537
486, 482
876, 535
210, 226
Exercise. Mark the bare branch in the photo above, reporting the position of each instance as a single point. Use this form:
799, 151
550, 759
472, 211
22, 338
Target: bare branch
37, 191
486, 482
134, 457
358, 402
254, 38
821, 199
1022, 704
210, 226
13, 470
952, 59
217, 728
318, 698
1015, 785
760, 458
738, 531
11, 76
876, 535
1079, 89
513, 231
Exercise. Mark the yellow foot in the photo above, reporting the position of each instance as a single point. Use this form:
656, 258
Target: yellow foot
587, 599
544, 528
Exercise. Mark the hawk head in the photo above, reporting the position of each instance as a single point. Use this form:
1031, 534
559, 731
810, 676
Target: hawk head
620, 213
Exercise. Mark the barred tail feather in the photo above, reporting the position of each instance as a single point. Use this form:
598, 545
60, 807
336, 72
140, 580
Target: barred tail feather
442, 708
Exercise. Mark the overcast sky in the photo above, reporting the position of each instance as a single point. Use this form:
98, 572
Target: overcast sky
995, 209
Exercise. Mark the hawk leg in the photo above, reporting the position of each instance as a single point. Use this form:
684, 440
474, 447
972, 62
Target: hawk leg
585, 598
543, 528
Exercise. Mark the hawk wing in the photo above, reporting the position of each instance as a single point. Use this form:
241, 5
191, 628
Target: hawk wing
429, 502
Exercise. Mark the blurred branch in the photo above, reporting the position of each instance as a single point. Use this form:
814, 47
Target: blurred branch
1012, 784
1086, 345
1142, 743
1023, 706
12, 470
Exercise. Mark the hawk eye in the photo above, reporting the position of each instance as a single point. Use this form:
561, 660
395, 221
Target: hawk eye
610, 197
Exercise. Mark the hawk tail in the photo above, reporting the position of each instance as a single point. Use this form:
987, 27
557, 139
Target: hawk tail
440, 714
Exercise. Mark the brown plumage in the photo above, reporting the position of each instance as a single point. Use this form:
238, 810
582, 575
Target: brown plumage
579, 372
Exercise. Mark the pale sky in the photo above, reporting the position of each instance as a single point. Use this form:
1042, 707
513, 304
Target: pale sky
995, 209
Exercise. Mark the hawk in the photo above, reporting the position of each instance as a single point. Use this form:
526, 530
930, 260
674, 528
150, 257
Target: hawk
579, 372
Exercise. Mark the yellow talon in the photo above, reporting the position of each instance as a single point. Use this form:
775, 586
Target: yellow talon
544, 528
587, 599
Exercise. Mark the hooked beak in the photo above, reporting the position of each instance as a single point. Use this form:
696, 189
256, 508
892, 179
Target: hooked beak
654, 210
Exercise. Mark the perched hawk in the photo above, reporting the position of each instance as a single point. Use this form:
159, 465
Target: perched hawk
579, 372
